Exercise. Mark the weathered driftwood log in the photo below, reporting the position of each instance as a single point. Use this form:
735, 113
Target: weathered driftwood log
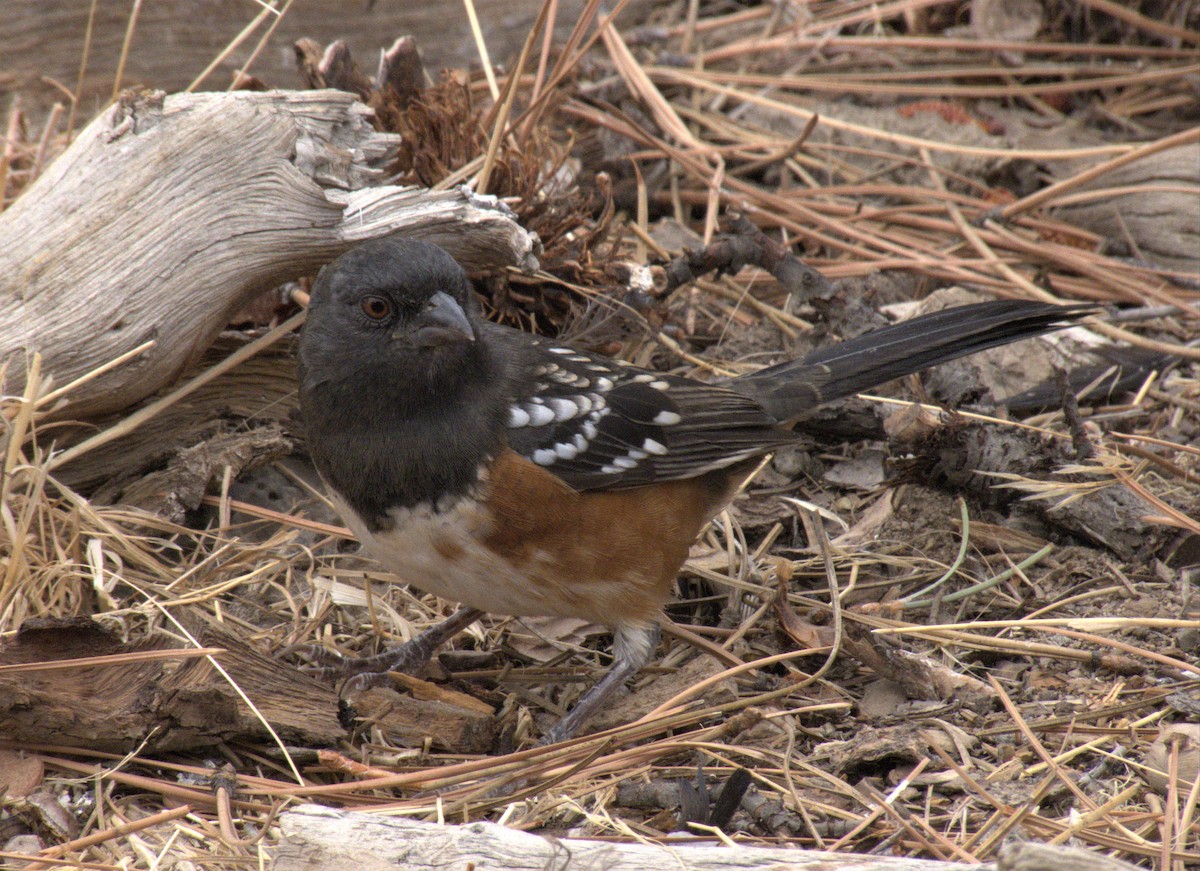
159, 697
1151, 202
977, 458
170, 212
1029, 856
317, 837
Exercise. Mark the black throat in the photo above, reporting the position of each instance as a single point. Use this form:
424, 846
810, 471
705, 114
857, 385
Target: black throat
383, 442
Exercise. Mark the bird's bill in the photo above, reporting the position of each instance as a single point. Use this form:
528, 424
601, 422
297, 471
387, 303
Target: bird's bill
443, 322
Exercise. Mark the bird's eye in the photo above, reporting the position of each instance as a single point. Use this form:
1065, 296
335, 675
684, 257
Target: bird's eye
375, 307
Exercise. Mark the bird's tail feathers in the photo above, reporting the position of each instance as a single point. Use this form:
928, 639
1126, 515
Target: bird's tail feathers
789, 389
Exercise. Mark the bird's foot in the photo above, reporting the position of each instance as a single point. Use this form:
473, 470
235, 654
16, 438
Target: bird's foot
358, 673
632, 646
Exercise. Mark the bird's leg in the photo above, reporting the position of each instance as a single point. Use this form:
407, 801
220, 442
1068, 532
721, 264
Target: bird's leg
632, 645
365, 672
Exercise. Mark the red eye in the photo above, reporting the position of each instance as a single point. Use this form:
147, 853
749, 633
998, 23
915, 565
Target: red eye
375, 307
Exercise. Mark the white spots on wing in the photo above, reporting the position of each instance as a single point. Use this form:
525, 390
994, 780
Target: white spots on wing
591, 423
543, 411
571, 399
650, 446
539, 415
619, 464
564, 409
560, 451
566, 376
633, 457
517, 417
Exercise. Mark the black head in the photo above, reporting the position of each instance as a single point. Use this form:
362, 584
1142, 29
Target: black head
401, 304
401, 395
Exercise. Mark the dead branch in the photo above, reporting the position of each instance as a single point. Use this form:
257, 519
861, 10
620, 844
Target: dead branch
976, 458
159, 697
319, 837
743, 244
170, 212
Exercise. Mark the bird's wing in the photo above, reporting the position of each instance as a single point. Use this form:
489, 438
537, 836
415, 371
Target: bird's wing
603, 424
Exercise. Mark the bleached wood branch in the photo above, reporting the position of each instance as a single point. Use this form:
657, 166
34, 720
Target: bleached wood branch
317, 837
168, 213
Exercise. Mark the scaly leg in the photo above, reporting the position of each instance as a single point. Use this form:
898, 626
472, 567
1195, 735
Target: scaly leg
632, 645
364, 672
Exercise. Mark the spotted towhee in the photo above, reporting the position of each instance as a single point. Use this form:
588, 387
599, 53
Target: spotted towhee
520, 476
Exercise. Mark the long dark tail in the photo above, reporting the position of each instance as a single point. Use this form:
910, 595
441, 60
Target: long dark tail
786, 390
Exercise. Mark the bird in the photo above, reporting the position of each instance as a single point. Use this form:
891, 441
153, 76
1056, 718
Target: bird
519, 475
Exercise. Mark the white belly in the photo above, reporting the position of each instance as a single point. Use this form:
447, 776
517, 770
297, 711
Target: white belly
443, 553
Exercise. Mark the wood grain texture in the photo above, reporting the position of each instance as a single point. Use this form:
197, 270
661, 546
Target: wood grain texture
318, 838
167, 214
174, 40
185, 704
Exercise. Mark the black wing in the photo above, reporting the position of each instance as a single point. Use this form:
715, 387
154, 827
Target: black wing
603, 424
792, 388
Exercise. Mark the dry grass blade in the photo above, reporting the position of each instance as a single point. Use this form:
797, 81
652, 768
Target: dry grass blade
130, 29
267, 11
118, 659
148, 412
504, 108
1049, 194
110, 834
903, 148
1142, 22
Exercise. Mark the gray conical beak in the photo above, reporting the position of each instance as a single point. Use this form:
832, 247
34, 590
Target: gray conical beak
443, 322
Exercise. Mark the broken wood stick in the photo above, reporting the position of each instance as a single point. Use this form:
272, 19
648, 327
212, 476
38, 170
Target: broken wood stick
70, 681
168, 213
319, 837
